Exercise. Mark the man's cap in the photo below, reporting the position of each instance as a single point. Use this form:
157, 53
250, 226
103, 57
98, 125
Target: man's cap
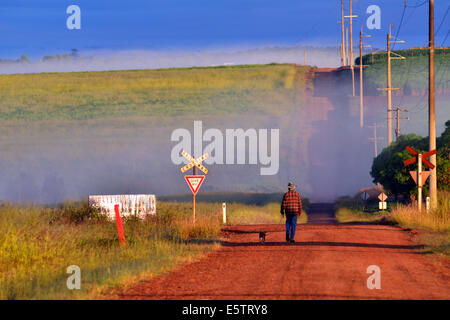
291, 185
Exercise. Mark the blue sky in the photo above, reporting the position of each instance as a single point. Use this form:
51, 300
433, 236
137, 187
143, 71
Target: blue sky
38, 27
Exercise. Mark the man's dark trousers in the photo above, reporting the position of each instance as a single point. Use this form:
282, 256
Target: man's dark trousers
291, 224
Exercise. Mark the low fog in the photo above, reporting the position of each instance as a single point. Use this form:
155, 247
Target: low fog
323, 149
147, 59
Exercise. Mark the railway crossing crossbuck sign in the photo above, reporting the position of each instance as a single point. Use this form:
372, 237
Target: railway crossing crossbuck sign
194, 182
419, 176
194, 162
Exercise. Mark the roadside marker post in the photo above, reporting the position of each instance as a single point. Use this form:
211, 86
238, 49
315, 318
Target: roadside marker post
119, 225
194, 182
224, 212
418, 176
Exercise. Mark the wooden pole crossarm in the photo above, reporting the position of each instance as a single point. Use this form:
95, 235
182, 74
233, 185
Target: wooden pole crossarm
387, 89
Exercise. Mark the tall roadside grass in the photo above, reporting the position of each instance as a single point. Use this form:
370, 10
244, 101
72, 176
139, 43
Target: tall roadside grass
355, 210
38, 244
433, 227
435, 220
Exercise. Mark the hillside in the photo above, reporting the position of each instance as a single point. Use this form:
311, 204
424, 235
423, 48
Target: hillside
165, 92
411, 74
68, 135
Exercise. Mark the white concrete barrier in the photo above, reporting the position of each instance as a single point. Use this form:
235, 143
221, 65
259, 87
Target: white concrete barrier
140, 205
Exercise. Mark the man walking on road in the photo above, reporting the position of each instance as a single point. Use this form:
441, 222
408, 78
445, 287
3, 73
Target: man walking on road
292, 207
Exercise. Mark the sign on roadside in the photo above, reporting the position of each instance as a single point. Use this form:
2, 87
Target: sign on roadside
419, 176
382, 196
194, 162
138, 205
194, 182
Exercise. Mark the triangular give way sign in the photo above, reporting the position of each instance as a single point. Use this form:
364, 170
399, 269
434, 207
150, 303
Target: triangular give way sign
194, 182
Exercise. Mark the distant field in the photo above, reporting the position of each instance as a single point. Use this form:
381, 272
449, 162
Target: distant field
68, 135
165, 92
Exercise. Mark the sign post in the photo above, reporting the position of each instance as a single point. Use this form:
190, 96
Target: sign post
382, 205
194, 182
419, 177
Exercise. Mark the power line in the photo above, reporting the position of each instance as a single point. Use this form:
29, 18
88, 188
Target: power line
419, 5
400, 24
442, 22
446, 37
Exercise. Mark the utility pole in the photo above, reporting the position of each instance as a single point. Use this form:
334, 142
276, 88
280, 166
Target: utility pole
389, 87
389, 82
343, 35
398, 110
361, 99
304, 57
431, 103
432, 109
346, 46
351, 47
361, 96
375, 138
351, 16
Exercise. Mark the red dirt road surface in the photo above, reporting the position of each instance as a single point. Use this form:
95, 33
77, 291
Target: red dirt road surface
328, 261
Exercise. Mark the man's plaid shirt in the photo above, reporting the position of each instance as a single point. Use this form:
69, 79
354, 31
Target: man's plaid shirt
292, 203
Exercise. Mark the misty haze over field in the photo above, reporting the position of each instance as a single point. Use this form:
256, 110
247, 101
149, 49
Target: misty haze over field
322, 147
148, 59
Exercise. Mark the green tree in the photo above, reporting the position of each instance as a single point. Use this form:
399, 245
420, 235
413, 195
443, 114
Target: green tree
443, 159
389, 171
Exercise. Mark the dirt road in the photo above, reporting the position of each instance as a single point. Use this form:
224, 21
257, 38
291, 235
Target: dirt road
328, 261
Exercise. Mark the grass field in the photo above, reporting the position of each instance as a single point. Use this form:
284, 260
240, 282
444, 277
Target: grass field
355, 210
433, 227
37, 244
165, 92
410, 74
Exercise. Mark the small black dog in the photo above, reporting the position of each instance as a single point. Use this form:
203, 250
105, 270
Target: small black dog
262, 237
